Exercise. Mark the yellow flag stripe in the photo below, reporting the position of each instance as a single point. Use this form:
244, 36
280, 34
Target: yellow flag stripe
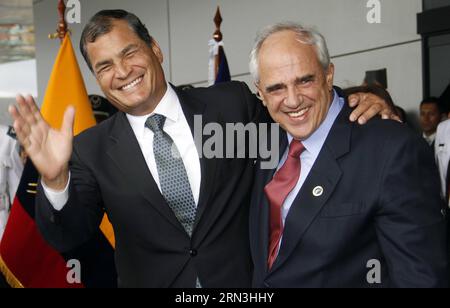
9, 276
66, 88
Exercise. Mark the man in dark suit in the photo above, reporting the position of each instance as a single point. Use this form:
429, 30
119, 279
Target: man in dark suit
179, 221
430, 117
348, 205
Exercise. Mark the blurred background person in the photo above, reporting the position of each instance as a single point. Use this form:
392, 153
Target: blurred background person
429, 118
442, 149
11, 167
101, 107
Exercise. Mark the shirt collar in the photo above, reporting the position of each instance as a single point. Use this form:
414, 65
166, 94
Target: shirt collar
430, 139
315, 142
169, 107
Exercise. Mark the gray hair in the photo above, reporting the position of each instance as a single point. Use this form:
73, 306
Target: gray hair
306, 35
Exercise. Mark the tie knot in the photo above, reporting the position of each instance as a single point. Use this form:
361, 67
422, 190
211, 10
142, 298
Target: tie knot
296, 148
156, 122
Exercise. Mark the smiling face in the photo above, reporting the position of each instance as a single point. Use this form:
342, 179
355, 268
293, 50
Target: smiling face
128, 71
293, 85
430, 117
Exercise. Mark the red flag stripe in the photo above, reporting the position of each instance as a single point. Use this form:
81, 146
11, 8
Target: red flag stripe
38, 265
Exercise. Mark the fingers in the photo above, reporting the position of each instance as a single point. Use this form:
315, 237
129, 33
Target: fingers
15, 113
33, 108
369, 114
396, 118
369, 105
359, 101
353, 100
69, 117
20, 126
387, 114
28, 122
25, 110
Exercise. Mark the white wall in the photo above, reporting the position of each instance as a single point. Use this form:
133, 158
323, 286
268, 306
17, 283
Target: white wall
183, 28
404, 67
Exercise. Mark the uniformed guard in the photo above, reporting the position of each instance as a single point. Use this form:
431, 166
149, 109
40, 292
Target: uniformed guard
11, 168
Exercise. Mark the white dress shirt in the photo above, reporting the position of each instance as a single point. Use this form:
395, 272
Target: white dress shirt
442, 152
429, 139
176, 126
313, 145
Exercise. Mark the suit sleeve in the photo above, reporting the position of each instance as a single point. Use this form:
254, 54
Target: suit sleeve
256, 110
410, 224
80, 216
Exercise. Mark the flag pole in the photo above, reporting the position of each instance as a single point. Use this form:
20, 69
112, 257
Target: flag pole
62, 29
218, 36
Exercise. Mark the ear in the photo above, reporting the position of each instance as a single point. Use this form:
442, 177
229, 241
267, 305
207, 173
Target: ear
259, 95
330, 76
97, 80
157, 51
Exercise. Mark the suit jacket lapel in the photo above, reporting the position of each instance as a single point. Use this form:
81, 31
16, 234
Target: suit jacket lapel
260, 210
259, 220
325, 174
124, 150
208, 167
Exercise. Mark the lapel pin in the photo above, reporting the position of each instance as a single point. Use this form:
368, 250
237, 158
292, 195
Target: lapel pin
318, 191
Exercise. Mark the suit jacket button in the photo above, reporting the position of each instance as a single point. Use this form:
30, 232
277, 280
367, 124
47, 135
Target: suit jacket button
193, 252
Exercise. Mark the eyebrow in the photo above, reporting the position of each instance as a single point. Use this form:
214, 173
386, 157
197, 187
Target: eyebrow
128, 49
121, 54
102, 63
275, 87
298, 80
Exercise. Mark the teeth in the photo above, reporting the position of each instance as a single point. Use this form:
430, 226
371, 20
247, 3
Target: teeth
132, 84
299, 113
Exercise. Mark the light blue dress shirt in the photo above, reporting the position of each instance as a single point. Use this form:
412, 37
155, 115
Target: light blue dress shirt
313, 145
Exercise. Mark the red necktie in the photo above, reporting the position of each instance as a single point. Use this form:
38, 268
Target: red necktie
277, 191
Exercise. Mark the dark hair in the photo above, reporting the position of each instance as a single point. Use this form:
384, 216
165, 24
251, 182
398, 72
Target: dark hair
374, 89
432, 100
102, 23
402, 114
